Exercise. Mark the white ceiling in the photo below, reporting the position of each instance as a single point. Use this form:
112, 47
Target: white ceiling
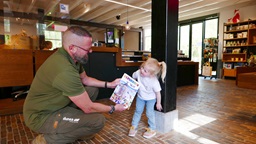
137, 12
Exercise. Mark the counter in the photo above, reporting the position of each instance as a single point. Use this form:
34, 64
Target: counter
118, 52
187, 73
110, 61
105, 63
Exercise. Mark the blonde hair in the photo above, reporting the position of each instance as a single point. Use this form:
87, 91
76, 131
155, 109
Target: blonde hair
155, 68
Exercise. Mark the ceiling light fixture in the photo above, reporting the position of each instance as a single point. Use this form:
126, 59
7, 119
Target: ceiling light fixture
87, 7
127, 26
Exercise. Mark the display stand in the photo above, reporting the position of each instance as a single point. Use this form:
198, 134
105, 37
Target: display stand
210, 58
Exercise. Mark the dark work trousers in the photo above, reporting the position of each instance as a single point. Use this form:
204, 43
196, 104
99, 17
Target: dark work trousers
70, 123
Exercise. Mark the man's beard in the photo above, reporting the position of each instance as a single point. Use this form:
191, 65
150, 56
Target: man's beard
82, 60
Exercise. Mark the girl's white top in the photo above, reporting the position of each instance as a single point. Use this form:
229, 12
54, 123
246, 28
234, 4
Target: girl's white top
148, 86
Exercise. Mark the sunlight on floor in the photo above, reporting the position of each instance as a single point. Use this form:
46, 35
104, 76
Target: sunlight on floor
187, 124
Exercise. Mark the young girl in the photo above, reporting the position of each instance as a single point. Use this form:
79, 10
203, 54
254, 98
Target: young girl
148, 94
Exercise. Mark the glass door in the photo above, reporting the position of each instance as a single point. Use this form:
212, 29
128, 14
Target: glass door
192, 37
196, 45
211, 43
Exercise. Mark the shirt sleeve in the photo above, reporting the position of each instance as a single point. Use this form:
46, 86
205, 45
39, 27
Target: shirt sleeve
135, 74
156, 86
69, 83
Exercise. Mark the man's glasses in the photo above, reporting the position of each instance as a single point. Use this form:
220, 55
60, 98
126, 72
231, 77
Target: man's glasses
82, 48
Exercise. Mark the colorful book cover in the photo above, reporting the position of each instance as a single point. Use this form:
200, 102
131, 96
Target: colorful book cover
125, 92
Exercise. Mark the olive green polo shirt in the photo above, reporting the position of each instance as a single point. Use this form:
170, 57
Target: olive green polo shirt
56, 79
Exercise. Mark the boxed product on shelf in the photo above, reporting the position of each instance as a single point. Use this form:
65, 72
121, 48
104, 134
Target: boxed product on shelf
231, 36
239, 35
236, 51
244, 34
228, 65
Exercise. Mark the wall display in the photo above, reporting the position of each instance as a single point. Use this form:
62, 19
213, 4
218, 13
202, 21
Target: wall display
109, 39
238, 43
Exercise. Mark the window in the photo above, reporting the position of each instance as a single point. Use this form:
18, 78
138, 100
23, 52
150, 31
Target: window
55, 37
184, 39
147, 36
7, 25
211, 28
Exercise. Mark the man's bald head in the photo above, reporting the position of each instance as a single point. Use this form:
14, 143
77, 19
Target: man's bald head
74, 34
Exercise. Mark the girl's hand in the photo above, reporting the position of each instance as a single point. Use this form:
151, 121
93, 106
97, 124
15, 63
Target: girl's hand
120, 107
159, 107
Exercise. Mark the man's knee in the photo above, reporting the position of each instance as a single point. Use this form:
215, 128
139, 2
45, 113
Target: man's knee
101, 122
92, 92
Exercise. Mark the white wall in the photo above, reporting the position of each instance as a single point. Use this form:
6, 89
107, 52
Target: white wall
98, 36
131, 40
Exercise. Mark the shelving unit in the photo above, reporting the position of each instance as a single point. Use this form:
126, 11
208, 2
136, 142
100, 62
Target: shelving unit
135, 56
210, 55
239, 41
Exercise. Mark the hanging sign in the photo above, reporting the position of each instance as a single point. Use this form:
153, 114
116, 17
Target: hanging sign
64, 8
60, 28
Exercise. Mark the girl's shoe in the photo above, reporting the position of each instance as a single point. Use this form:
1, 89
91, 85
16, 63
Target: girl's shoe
132, 131
149, 133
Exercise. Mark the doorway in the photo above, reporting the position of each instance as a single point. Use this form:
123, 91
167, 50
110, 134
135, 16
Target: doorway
192, 34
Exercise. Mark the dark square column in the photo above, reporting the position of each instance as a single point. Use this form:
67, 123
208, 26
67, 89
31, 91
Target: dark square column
164, 46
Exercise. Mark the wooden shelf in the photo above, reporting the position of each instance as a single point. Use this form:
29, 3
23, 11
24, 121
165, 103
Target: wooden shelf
233, 61
235, 31
234, 54
105, 49
236, 38
252, 45
234, 57
235, 24
235, 46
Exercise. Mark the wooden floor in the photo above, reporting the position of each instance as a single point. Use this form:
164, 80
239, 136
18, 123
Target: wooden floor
214, 112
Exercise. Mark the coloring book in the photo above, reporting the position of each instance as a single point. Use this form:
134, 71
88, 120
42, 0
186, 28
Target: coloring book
125, 91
